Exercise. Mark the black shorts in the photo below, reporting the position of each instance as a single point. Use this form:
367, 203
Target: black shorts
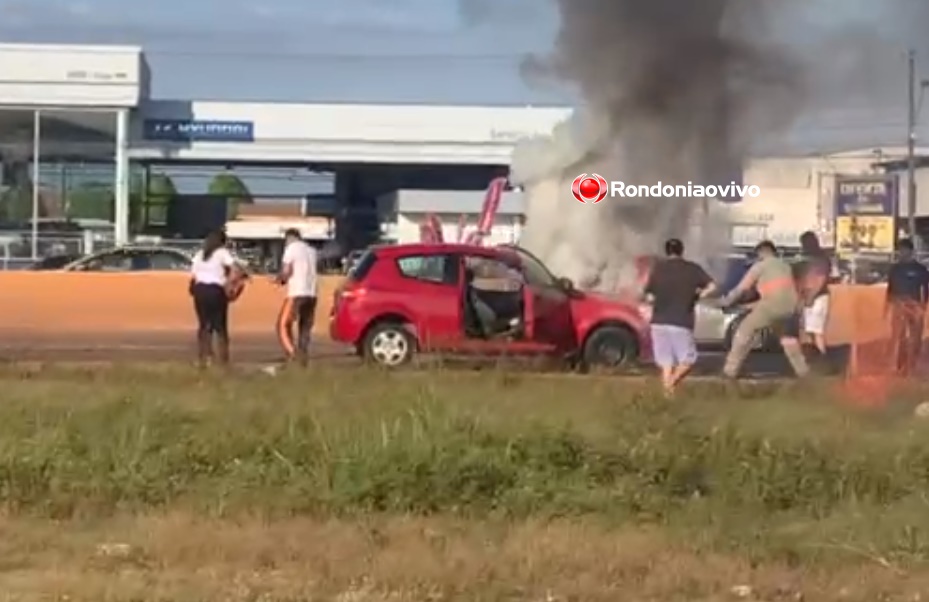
299, 310
212, 307
788, 326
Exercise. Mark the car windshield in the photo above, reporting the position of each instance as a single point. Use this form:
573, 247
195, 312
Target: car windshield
535, 271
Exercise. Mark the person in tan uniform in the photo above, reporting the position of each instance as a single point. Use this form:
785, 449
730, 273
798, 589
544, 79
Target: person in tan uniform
777, 309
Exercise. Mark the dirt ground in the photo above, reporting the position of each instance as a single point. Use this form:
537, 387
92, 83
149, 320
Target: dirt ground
179, 557
140, 347
135, 347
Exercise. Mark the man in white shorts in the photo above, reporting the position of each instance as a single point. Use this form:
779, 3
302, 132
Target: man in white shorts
812, 274
674, 286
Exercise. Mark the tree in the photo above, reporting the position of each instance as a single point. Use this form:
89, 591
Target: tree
162, 186
93, 200
161, 193
16, 201
233, 189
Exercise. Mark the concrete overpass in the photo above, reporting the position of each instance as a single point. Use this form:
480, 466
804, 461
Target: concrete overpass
269, 133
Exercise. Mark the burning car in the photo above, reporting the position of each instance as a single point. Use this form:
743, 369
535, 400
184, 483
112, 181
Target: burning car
466, 299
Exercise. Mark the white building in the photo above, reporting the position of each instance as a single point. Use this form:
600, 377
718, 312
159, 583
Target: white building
798, 193
90, 104
458, 211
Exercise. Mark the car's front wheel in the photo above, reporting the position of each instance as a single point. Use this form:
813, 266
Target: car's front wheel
610, 347
389, 344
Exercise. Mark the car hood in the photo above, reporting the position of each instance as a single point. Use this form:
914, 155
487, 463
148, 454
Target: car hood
617, 305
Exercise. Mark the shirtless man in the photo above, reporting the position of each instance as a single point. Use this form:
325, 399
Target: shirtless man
777, 309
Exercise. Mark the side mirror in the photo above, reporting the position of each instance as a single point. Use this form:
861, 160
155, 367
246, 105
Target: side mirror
566, 284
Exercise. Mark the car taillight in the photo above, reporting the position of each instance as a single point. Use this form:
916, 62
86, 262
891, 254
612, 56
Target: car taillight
352, 293
345, 293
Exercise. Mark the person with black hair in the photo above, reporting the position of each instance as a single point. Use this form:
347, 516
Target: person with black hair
812, 274
906, 301
215, 277
674, 286
778, 308
299, 275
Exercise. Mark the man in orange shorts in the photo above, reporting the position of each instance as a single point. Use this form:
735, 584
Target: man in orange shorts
907, 297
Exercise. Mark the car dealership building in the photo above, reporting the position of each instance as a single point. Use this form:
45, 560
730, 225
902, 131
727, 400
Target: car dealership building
90, 106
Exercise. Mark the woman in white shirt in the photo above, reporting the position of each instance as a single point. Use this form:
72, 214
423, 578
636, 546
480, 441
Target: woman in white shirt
214, 275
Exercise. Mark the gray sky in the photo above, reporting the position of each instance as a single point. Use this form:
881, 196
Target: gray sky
445, 51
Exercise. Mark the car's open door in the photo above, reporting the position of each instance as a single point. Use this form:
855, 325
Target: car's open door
552, 322
549, 319
495, 301
529, 313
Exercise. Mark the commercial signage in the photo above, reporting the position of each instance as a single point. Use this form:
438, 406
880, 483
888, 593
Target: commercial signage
178, 130
866, 213
42, 76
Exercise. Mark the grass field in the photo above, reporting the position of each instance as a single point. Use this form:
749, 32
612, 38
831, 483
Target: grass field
345, 484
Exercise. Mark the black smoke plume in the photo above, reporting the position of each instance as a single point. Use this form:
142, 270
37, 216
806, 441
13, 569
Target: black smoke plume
674, 92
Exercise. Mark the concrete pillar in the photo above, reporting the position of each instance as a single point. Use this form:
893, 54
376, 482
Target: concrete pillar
356, 193
344, 191
121, 185
517, 229
36, 172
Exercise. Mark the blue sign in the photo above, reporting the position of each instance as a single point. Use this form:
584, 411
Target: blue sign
866, 195
177, 130
866, 213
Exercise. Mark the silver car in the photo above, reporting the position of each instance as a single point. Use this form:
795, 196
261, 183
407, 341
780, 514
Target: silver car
715, 327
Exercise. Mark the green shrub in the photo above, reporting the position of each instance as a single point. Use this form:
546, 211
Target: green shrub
358, 442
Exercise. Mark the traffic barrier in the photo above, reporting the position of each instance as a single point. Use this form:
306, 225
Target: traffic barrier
75, 303
101, 303
859, 320
856, 314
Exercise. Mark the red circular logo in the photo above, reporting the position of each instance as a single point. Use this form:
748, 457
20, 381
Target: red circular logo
589, 188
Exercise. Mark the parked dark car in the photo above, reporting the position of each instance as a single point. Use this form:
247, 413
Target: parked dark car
133, 259
54, 262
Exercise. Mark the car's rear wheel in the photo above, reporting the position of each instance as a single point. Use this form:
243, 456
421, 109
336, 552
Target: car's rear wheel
389, 344
610, 347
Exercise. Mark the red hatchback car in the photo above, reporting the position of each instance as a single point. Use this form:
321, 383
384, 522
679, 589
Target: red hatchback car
463, 299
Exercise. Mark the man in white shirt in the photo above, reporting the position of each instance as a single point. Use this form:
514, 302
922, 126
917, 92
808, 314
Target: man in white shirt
298, 275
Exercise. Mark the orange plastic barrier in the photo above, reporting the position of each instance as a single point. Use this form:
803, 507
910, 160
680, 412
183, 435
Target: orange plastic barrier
73, 303
860, 320
856, 314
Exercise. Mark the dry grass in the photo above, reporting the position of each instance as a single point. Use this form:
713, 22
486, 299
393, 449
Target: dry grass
178, 557
149, 484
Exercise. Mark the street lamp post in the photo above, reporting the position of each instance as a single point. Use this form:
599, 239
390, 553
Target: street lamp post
915, 89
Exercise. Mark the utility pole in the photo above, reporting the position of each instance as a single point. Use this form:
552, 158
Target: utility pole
911, 151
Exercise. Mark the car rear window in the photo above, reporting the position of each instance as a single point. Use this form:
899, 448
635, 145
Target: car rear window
360, 270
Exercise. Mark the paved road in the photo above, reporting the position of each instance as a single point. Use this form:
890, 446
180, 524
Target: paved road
157, 347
